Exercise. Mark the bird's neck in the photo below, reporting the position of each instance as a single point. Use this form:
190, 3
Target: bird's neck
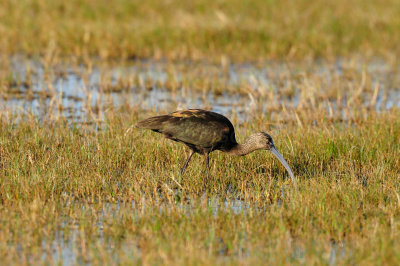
242, 149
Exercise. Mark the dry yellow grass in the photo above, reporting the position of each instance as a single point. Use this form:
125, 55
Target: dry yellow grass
233, 30
111, 195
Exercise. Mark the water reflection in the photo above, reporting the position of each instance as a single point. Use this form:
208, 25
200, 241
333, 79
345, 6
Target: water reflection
240, 89
65, 247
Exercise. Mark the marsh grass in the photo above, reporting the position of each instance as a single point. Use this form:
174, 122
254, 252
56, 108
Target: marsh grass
222, 30
96, 190
112, 195
272, 88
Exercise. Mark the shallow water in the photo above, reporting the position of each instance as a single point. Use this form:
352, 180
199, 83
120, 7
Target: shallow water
79, 92
64, 248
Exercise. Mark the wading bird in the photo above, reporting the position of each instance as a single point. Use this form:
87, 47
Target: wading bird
204, 131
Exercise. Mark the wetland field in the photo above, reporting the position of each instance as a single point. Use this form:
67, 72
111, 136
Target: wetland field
80, 184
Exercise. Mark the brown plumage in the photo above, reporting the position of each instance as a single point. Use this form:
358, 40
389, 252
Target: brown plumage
204, 131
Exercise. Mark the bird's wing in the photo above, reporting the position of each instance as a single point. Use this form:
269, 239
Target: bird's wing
197, 128
194, 126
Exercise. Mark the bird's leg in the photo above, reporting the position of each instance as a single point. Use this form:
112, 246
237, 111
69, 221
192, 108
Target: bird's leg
187, 162
207, 165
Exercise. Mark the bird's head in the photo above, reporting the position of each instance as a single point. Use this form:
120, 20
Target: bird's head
263, 140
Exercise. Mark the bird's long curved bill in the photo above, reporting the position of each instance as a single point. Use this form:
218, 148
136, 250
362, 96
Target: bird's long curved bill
283, 161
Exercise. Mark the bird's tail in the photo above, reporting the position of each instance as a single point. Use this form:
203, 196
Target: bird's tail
153, 123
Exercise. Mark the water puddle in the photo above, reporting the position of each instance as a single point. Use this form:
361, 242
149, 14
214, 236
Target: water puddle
65, 247
79, 92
